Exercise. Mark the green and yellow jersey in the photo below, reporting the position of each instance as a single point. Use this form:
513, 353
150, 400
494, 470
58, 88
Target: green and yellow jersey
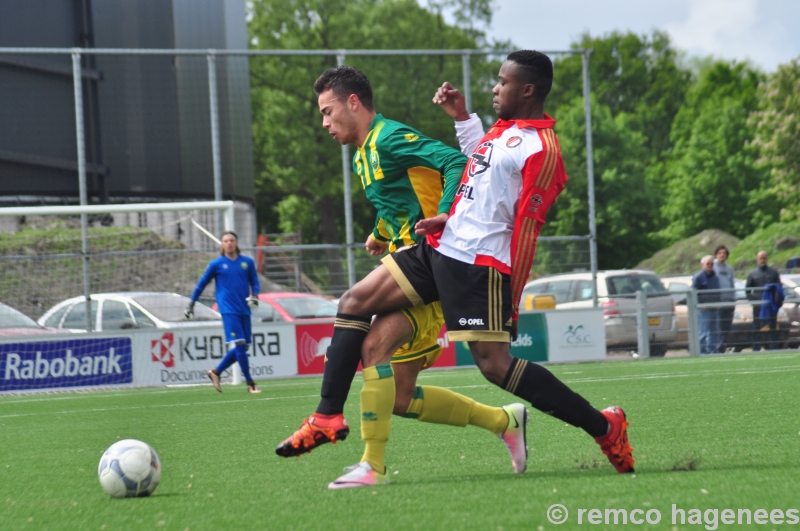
407, 177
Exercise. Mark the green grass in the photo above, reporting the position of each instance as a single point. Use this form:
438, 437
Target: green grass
743, 258
712, 432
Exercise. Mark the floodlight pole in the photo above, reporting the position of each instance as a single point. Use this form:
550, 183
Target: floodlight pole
215, 150
78, 94
348, 202
587, 109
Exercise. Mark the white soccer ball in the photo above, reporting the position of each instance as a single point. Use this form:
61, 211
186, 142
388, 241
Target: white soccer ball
129, 468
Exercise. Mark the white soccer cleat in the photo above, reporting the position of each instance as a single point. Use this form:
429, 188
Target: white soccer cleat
360, 475
514, 436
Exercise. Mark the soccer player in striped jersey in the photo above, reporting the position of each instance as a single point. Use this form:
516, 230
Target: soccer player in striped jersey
409, 178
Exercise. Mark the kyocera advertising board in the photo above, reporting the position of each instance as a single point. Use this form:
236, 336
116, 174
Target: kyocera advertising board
174, 357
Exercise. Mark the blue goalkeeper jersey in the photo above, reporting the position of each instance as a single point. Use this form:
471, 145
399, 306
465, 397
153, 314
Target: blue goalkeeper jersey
234, 280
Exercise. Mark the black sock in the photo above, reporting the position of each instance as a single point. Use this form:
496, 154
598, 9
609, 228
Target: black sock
341, 361
550, 395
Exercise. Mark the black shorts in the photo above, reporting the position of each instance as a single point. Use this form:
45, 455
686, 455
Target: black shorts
476, 300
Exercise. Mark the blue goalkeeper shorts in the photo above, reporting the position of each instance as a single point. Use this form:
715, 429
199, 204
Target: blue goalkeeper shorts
237, 327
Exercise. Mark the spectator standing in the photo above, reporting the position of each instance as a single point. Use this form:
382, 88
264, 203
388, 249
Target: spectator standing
758, 278
726, 281
708, 318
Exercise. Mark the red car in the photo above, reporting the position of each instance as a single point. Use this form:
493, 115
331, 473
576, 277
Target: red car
288, 306
15, 323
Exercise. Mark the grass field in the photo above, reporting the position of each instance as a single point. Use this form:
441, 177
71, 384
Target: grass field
709, 433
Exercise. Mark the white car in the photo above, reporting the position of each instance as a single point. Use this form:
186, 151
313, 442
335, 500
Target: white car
616, 294
128, 310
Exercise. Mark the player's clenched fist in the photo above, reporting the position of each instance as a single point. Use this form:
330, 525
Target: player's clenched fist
452, 101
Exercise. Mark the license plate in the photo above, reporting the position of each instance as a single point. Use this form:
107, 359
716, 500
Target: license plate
653, 321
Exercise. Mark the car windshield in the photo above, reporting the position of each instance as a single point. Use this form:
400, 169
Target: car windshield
170, 307
11, 318
307, 307
630, 284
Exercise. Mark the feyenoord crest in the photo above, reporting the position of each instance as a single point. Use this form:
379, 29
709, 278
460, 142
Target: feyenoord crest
479, 161
514, 141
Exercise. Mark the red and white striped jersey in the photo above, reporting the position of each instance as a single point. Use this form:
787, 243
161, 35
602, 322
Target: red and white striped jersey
513, 176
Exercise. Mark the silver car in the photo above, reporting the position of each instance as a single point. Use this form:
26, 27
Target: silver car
126, 311
616, 293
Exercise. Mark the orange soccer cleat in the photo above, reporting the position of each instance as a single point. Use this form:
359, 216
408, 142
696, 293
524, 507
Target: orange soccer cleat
316, 430
615, 443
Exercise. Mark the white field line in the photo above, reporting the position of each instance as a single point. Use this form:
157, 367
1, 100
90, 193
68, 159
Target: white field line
722, 372
83, 394
128, 408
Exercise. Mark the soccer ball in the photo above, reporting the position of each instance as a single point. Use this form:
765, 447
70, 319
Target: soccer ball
129, 468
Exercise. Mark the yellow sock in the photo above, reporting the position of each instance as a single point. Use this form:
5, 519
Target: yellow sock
442, 406
377, 403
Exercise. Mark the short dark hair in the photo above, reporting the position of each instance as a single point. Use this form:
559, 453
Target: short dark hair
535, 68
721, 247
343, 81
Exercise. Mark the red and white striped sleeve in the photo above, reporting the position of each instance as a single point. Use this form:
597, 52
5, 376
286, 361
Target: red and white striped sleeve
543, 178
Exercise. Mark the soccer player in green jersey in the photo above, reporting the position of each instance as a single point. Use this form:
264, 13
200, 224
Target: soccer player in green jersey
411, 180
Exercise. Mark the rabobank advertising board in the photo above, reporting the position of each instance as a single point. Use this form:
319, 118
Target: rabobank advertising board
85, 362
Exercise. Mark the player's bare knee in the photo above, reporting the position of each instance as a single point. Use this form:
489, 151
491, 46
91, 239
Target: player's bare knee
374, 351
493, 360
351, 303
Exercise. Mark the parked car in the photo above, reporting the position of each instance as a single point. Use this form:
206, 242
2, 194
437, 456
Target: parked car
616, 293
128, 310
740, 336
15, 323
290, 306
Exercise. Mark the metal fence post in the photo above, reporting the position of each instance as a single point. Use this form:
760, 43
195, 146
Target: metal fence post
642, 326
467, 74
215, 149
348, 204
694, 322
587, 110
78, 94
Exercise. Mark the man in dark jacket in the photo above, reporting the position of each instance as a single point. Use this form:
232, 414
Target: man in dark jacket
708, 318
758, 278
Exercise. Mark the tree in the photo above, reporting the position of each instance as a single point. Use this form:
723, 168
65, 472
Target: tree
625, 199
298, 165
636, 75
777, 125
711, 177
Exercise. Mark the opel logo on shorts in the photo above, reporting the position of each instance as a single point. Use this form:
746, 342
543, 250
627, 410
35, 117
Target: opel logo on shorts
462, 321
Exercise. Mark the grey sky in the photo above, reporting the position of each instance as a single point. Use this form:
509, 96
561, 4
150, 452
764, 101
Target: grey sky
763, 31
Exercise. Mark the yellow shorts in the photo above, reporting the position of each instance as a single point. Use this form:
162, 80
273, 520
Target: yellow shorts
426, 322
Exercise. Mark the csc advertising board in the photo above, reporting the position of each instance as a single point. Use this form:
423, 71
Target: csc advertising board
554, 336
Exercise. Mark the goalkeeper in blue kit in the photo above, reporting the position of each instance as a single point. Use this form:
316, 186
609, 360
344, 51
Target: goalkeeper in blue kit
236, 287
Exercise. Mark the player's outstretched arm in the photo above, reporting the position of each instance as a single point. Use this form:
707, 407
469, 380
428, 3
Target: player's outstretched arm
452, 101
432, 226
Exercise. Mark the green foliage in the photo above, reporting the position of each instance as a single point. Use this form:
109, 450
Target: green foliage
777, 125
297, 164
683, 256
711, 177
625, 200
630, 74
779, 240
